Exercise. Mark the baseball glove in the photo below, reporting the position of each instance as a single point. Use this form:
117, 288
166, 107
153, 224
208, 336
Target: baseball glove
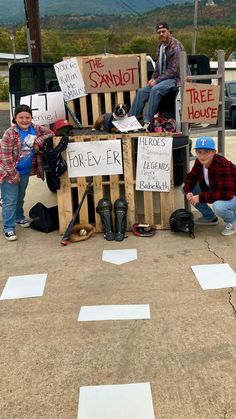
143, 230
81, 232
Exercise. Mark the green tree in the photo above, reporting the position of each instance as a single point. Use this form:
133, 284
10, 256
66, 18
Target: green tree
5, 42
52, 46
4, 89
140, 44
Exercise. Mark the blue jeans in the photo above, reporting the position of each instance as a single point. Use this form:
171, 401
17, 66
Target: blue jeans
223, 209
12, 202
153, 96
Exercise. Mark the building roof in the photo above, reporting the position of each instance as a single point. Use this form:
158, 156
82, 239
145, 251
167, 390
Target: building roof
10, 57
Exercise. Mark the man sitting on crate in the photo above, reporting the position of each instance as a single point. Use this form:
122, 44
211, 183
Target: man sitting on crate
165, 78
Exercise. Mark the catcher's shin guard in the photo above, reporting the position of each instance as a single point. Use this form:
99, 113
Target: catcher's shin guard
104, 208
120, 209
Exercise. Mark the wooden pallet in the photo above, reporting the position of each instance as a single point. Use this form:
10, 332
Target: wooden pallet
149, 207
88, 108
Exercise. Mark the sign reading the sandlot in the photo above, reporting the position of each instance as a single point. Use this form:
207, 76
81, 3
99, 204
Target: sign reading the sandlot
153, 164
110, 74
94, 158
200, 103
70, 79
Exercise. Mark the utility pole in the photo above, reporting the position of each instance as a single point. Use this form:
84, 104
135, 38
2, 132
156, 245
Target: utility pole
194, 40
33, 30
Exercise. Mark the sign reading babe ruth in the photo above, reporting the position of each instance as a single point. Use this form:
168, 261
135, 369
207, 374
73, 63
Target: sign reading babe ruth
110, 74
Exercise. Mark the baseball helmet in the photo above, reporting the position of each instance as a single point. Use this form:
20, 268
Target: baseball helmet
182, 220
61, 127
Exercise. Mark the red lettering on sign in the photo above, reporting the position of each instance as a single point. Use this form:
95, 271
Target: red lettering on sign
109, 79
95, 63
209, 112
200, 96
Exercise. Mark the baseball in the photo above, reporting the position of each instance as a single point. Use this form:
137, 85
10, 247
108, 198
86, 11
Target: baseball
83, 232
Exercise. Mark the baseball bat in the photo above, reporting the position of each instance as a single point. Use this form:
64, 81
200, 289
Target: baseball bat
74, 117
66, 235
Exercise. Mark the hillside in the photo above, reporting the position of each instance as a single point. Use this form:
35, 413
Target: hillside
13, 11
179, 17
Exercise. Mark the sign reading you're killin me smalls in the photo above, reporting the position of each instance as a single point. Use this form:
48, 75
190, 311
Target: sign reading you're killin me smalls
110, 74
200, 103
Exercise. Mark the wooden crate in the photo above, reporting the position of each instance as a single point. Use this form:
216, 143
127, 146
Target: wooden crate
141, 205
88, 108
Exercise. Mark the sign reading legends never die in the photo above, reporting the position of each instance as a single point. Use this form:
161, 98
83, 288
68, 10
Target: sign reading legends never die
153, 164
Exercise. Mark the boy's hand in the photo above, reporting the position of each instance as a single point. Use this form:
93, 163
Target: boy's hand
189, 196
193, 199
36, 148
16, 179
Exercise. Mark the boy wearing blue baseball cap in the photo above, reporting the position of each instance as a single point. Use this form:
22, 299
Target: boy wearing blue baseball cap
212, 180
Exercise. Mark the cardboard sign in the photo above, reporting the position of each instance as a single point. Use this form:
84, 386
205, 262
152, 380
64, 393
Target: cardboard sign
127, 124
47, 108
200, 103
153, 164
70, 79
94, 158
110, 74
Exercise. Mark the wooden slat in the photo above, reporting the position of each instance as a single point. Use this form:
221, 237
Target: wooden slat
83, 111
71, 105
95, 106
120, 97
98, 194
148, 207
167, 202
143, 69
132, 94
108, 107
114, 180
81, 186
128, 178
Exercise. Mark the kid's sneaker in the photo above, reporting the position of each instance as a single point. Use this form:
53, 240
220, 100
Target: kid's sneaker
10, 235
229, 229
23, 223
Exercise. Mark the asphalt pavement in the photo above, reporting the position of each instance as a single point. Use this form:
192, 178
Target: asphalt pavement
186, 350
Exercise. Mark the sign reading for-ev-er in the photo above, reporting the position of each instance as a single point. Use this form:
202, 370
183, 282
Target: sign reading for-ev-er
200, 103
95, 158
110, 74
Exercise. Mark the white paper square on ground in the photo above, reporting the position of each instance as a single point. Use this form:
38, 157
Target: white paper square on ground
120, 401
114, 312
120, 256
213, 276
24, 286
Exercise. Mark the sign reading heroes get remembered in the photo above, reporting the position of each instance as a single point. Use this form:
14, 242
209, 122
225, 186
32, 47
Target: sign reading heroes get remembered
110, 74
95, 158
200, 103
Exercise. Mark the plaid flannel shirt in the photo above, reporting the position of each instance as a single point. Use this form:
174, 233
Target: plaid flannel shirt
172, 52
222, 180
10, 152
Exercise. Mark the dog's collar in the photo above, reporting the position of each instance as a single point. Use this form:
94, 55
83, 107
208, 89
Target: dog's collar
117, 118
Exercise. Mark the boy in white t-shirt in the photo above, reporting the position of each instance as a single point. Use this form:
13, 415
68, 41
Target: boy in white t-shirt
212, 180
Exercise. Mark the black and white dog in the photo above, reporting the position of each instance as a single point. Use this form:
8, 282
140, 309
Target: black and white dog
104, 121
